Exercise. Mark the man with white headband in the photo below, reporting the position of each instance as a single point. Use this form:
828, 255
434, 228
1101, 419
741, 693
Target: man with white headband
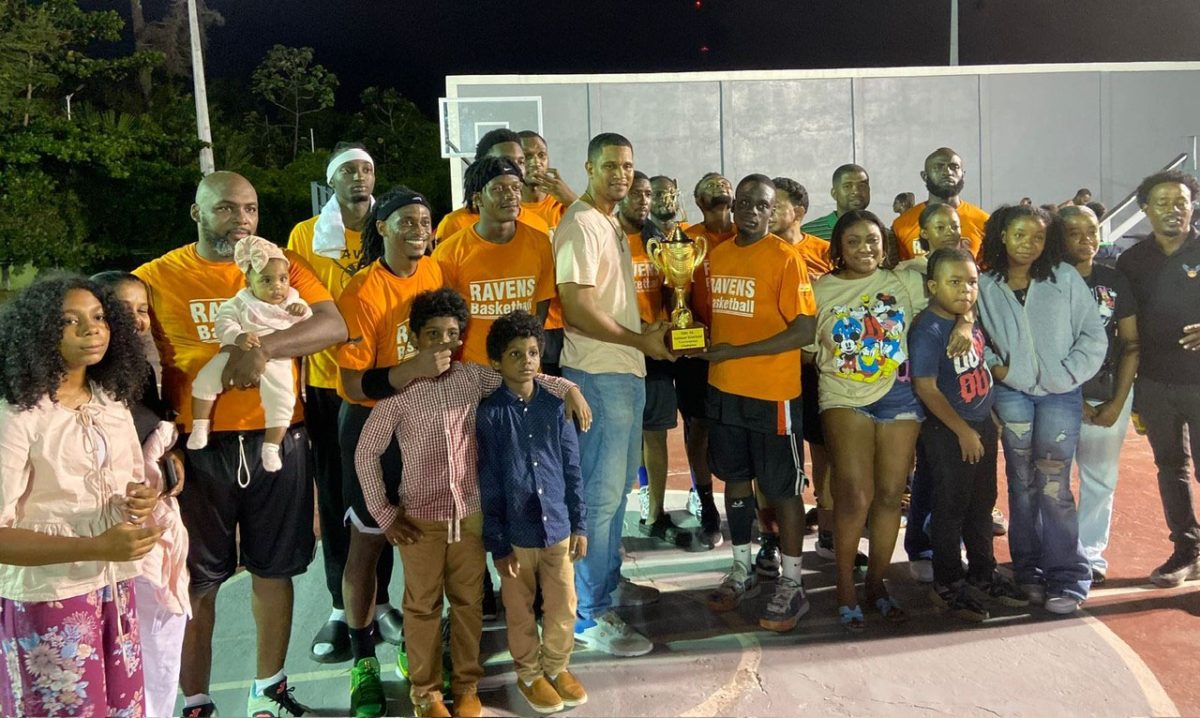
332, 244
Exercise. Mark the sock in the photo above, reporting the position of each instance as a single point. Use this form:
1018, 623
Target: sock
199, 436
362, 643
262, 684
271, 460
643, 477
740, 514
382, 608
527, 683
791, 567
337, 614
706, 497
197, 700
741, 553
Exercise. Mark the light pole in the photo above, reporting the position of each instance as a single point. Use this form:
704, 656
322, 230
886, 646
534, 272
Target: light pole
953, 33
203, 130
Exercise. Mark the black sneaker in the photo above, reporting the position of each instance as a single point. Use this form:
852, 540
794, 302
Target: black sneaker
1097, 578
1002, 590
709, 534
825, 545
810, 518
767, 563
1179, 568
490, 608
665, 530
204, 710
958, 602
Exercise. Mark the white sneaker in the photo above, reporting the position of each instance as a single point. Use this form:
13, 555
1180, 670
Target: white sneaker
1063, 605
271, 459
613, 636
741, 582
198, 439
629, 593
921, 570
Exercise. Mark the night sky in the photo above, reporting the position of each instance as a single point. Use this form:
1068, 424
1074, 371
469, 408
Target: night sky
413, 45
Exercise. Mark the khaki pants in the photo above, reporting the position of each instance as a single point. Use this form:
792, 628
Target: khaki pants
552, 568
432, 568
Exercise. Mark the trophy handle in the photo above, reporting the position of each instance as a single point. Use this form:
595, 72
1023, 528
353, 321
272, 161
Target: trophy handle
702, 247
654, 252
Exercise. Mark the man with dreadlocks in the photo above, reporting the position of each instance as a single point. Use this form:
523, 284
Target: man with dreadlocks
497, 264
379, 358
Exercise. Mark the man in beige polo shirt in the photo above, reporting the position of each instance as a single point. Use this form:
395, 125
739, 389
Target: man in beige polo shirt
603, 353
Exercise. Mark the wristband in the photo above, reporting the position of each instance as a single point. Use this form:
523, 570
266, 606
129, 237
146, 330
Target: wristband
375, 384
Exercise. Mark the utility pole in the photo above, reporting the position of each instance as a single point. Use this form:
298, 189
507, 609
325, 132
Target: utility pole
953, 33
203, 129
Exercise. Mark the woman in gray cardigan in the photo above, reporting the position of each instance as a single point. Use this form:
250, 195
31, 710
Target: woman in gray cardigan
1045, 340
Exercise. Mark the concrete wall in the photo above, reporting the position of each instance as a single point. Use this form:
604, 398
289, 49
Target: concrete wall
1041, 131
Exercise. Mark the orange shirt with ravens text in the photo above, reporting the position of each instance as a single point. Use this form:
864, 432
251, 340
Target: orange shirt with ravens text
648, 281
375, 305
185, 292
754, 293
495, 279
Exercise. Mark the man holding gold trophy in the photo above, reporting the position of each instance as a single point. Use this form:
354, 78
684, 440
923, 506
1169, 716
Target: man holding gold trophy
759, 305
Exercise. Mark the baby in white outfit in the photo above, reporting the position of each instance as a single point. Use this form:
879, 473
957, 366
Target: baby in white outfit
267, 304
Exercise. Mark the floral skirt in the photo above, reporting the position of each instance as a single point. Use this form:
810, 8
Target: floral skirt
79, 656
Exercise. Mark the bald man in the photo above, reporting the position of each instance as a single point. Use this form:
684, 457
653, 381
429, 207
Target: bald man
229, 494
944, 178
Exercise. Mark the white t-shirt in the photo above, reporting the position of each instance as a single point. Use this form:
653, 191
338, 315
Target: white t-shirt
591, 250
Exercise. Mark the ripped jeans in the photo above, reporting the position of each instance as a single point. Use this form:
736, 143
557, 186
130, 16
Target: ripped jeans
1040, 435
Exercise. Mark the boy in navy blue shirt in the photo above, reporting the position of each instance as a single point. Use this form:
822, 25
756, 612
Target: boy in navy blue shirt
959, 440
534, 516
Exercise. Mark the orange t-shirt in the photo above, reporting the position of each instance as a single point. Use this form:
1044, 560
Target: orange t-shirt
647, 280
335, 274
756, 292
185, 292
814, 252
907, 228
495, 279
461, 218
375, 305
549, 209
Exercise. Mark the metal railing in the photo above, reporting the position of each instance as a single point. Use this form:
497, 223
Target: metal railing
1110, 232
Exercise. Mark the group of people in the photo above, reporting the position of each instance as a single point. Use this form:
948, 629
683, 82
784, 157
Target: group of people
497, 385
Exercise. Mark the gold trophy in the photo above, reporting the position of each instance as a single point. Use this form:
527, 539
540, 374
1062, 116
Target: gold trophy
677, 258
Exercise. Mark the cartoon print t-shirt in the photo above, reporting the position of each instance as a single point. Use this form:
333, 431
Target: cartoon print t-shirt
862, 334
1114, 301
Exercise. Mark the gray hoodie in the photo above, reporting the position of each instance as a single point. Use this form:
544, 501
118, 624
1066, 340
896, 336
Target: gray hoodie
1054, 342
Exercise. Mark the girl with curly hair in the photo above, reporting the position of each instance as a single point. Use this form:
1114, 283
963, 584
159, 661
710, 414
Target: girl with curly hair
1046, 340
72, 502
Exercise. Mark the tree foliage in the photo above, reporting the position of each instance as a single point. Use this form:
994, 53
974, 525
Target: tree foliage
288, 79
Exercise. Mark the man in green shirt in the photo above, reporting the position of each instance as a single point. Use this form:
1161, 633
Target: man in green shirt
851, 190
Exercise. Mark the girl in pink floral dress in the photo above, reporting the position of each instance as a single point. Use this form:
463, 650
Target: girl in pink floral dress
72, 503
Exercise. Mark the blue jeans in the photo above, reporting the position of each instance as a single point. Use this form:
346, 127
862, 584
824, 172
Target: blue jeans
1040, 435
917, 542
609, 456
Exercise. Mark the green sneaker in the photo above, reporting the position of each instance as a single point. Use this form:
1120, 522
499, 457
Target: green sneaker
366, 689
447, 665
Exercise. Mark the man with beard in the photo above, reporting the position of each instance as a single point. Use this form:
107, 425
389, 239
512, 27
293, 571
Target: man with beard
1164, 272
501, 142
761, 310
234, 509
714, 196
944, 178
659, 415
851, 190
331, 242
604, 355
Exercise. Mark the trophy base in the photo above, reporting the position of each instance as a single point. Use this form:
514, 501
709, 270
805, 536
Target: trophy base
684, 342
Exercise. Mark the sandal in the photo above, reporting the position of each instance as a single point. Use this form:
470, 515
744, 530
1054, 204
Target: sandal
336, 635
890, 610
852, 618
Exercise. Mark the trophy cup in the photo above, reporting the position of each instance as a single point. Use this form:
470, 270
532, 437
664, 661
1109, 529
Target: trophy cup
677, 258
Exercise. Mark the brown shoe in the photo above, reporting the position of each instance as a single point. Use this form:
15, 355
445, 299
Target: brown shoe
467, 706
569, 689
541, 695
432, 709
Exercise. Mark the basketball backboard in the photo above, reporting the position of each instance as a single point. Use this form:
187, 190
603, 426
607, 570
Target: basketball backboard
463, 120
